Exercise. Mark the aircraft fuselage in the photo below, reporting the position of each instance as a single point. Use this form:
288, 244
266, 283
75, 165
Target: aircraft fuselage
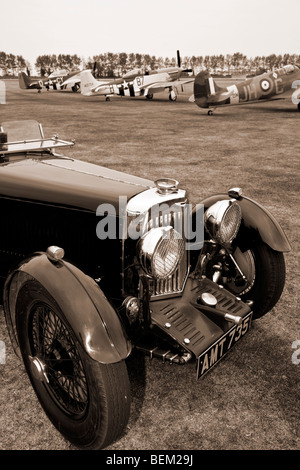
261, 87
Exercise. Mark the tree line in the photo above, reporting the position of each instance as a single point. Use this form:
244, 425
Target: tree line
111, 64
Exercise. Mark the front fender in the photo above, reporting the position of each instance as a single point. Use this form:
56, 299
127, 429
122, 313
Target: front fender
92, 318
257, 223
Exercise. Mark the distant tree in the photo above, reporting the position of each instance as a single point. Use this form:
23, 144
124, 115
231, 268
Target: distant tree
147, 61
221, 62
111, 63
278, 61
214, 62
46, 64
122, 63
200, 60
228, 62
167, 62
3, 62
21, 63
237, 61
67, 61
271, 61
138, 61
11, 63
131, 60
153, 63
206, 62
160, 62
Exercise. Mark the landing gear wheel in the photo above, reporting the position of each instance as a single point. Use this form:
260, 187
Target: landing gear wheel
172, 97
210, 112
149, 96
107, 98
264, 269
75, 88
87, 401
298, 106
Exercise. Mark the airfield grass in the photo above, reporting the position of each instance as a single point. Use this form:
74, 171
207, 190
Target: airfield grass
250, 400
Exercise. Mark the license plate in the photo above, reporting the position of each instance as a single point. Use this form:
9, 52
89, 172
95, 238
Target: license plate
217, 350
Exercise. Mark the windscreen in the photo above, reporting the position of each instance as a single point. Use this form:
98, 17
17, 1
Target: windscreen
22, 130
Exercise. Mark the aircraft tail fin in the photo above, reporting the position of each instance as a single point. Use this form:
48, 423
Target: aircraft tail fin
88, 82
204, 88
24, 81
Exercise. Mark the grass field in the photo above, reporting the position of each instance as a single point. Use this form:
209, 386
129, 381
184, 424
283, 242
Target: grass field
250, 400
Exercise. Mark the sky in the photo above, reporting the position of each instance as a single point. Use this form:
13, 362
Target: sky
157, 27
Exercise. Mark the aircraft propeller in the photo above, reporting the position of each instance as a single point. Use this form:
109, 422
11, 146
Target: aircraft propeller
179, 63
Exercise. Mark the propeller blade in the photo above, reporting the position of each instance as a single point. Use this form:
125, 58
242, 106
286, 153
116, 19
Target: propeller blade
178, 59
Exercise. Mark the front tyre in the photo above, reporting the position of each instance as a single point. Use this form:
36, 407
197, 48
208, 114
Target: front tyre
264, 269
87, 401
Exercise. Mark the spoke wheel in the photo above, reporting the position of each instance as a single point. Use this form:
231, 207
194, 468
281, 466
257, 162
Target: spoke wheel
264, 270
87, 401
246, 263
56, 354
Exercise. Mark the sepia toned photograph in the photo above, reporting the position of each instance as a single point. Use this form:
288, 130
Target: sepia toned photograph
149, 204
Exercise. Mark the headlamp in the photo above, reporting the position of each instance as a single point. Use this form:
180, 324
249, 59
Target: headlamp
160, 251
222, 220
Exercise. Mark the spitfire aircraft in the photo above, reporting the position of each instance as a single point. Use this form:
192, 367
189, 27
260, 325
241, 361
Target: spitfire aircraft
136, 83
266, 86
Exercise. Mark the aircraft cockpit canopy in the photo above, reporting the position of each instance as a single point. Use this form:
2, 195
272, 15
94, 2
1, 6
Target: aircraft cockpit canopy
289, 68
132, 73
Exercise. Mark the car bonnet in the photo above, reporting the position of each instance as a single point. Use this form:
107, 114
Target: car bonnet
68, 182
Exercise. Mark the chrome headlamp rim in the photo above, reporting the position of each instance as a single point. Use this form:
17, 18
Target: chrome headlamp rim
222, 220
149, 251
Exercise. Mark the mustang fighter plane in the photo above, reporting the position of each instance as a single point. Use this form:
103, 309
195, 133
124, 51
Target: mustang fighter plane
58, 80
267, 86
135, 83
28, 83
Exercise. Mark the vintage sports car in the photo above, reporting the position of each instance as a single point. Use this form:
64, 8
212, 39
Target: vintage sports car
96, 263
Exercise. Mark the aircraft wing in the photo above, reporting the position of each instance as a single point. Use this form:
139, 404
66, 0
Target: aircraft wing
156, 87
72, 80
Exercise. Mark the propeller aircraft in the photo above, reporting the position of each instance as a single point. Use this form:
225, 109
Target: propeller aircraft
58, 80
266, 86
28, 83
136, 83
